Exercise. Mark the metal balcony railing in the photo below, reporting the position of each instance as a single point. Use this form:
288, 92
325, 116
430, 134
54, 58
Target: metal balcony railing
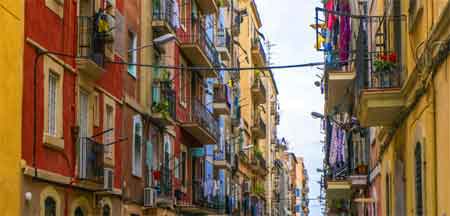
196, 34
164, 186
259, 86
259, 123
91, 44
91, 160
163, 10
223, 39
384, 56
164, 99
221, 94
257, 44
202, 116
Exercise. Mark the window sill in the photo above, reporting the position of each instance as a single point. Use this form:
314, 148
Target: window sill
54, 142
56, 7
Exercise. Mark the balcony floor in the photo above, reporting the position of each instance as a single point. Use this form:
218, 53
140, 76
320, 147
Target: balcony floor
199, 133
197, 57
380, 107
339, 89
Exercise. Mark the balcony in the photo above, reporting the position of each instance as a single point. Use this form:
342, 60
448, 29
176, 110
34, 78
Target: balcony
382, 101
91, 161
339, 87
200, 203
91, 47
259, 128
164, 19
208, 6
258, 91
381, 98
221, 105
222, 160
258, 53
223, 44
163, 103
198, 48
338, 189
201, 124
163, 179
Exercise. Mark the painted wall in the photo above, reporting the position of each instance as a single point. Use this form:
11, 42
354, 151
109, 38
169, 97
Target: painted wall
11, 54
427, 123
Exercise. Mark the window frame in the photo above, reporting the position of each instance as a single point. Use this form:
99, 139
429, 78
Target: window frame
417, 147
109, 102
183, 82
132, 53
137, 165
56, 140
47, 192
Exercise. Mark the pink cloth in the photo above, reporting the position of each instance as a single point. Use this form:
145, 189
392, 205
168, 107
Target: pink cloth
331, 17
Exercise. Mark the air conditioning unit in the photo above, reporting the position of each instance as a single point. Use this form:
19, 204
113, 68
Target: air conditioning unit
149, 197
108, 179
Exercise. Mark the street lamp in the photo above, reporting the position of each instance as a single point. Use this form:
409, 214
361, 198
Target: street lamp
317, 115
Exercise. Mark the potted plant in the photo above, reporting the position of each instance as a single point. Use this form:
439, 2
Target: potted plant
384, 71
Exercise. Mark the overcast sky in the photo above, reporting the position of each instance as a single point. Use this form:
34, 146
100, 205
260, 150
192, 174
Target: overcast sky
286, 24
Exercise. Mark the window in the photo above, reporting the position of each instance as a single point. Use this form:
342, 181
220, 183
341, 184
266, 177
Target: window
109, 136
106, 210
132, 53
78, 212
53, 93
137, 146
183, 168
177, 168
52, 118
183, 86
96, 110
50, 207
388, 196
418, 179
83, 113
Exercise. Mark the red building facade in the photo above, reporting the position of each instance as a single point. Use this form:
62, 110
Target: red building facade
72, 110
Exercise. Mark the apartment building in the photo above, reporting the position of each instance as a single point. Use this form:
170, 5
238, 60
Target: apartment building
386, 107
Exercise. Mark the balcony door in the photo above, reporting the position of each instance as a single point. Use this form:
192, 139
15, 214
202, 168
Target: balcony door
87, 7
83, 117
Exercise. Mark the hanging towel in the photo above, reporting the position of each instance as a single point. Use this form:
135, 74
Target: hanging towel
344, 33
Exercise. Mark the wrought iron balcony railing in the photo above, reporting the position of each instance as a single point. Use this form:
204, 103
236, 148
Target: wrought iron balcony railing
223, 39
197, 35
91, 44
202, 116
91, 160
221, 94
163, 10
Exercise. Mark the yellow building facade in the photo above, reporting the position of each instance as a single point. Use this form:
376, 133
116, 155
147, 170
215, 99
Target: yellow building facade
11, 58
414, 156
259, 108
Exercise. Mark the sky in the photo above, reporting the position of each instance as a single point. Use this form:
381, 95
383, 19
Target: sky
286, 24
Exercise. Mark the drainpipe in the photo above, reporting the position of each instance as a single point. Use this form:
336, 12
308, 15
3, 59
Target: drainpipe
435, 147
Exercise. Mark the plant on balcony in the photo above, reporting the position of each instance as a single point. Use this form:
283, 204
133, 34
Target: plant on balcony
384, 70
258, 153
259, 189
161, 107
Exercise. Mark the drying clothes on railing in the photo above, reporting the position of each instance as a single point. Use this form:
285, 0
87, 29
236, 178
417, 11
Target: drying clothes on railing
176, 14
337, 146
344, 32
331, 17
